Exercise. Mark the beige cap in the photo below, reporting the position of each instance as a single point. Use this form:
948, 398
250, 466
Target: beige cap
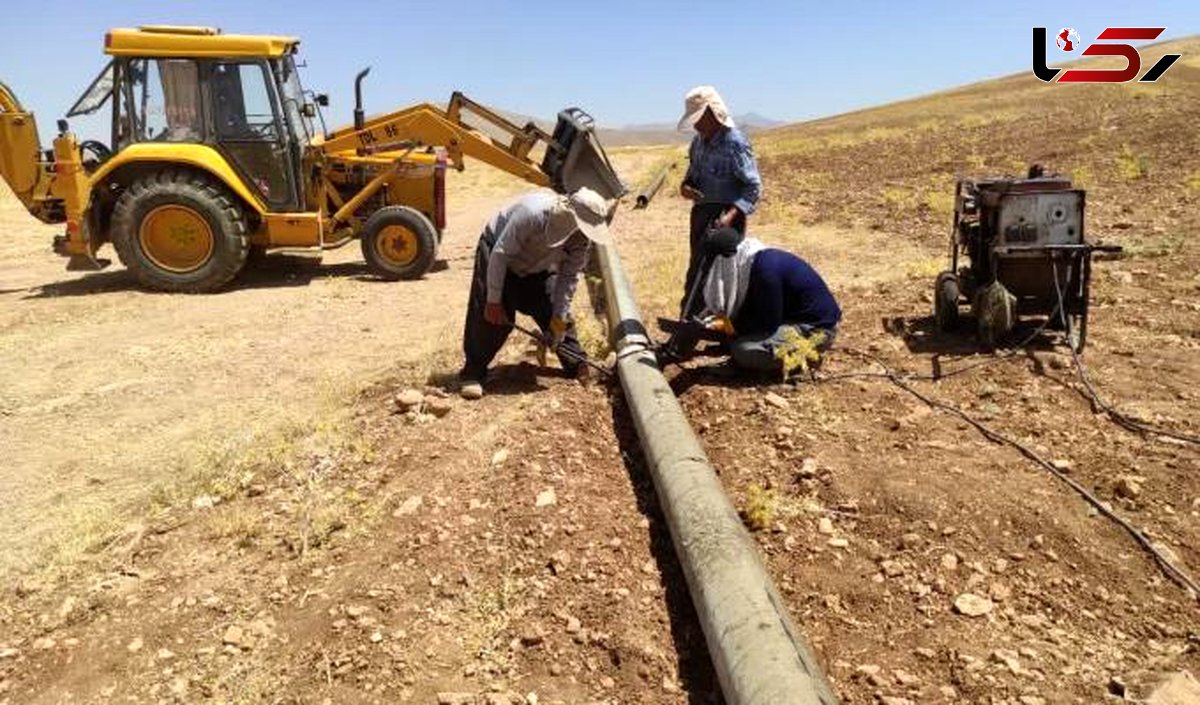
698, 100
591, 215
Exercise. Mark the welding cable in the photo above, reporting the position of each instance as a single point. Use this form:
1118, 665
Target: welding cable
565, 352
1168, 568
1121, 419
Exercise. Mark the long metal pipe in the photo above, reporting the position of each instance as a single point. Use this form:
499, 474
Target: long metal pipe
647, 193
759, 655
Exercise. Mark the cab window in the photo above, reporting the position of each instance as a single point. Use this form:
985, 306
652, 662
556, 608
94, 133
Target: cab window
163, 96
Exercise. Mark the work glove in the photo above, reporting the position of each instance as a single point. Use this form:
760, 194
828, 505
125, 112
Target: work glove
493, 312
558, 331
720, 324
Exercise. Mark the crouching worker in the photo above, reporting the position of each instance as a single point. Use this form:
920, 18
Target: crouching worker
780, 314
528, 260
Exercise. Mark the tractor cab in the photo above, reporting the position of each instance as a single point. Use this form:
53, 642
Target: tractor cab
191, 85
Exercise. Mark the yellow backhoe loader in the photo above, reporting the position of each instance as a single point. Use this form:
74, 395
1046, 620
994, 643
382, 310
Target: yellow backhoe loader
214, 152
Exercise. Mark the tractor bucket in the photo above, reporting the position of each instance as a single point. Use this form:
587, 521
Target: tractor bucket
575, 159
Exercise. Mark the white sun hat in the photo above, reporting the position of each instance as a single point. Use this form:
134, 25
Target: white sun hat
591, 215
698, 100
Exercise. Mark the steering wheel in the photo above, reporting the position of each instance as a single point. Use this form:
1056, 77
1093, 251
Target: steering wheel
98, 149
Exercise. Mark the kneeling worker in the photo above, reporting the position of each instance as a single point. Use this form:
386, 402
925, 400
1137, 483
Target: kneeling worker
766, 299
528, 260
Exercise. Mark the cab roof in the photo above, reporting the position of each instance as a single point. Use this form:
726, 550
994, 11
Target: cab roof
195, 42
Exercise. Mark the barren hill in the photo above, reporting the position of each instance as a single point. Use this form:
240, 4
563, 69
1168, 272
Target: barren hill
1135, 146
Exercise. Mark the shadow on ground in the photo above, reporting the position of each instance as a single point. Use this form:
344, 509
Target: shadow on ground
696, 674
269, 272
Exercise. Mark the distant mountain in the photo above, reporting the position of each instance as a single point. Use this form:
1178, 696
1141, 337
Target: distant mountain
756, 122
641, 134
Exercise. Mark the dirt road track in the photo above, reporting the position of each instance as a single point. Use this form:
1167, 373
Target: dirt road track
109, 391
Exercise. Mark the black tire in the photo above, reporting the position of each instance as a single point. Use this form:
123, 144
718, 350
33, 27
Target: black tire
945, 302
203, 202
399, 243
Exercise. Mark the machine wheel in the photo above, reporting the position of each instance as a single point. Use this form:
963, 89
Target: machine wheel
945, 301
180, 231
399, 243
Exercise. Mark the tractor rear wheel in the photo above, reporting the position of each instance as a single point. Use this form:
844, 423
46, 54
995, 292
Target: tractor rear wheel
180, 231
399, 243
945, 302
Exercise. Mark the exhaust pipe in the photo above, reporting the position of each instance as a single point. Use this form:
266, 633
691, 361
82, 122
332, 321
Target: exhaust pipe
359, 117
759, 655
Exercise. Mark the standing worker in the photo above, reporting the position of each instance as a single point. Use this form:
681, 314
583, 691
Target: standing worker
722, 179
528, 260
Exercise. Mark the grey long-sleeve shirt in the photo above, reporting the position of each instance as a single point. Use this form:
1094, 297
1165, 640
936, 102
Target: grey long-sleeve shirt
524, 247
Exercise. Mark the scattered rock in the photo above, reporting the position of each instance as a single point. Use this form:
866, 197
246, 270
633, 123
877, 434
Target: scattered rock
911, 541
438, 406
972, 605
532, 638
573, 625
838, 543
776, 401
205, 501
1062, 464
825, 525
409, 399
499, 457
999, 592
546, 498
409, 506
925, 652
1008, 658
892, 569
66, 608
135, 645
1032, 700
9, 652
949, 561
164, 655
808, 469
1128, 487
233, 636
44, 644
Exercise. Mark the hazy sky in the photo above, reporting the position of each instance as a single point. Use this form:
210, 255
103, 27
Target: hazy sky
625, 62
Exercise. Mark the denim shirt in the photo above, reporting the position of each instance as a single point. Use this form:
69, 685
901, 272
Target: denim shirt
724, 170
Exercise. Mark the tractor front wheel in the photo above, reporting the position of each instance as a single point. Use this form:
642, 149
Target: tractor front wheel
399, 243
180, 231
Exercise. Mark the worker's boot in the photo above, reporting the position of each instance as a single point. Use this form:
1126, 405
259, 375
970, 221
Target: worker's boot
470, 389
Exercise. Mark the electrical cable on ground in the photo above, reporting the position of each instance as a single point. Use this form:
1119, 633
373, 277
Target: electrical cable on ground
1121, 419
1164, 563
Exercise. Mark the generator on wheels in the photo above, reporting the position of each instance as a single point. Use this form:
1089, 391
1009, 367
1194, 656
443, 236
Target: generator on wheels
1026, 255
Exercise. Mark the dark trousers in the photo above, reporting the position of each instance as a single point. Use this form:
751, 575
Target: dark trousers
529, 295
703, 215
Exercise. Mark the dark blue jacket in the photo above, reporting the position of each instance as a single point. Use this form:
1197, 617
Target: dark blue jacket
785, 289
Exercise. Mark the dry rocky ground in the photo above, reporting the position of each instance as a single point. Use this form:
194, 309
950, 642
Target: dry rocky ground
511, 551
